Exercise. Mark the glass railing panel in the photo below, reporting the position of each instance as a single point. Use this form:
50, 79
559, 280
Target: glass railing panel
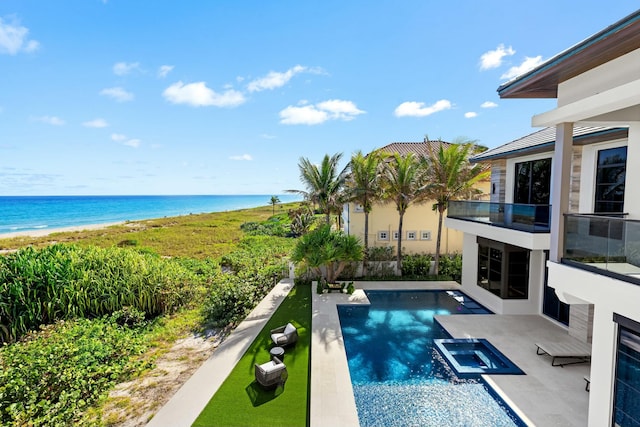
601, 242
533, 218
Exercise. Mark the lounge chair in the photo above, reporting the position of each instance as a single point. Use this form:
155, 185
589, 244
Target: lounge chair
272, 373
574, 350
284, 335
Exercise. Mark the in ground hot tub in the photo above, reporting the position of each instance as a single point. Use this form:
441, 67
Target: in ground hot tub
471, 356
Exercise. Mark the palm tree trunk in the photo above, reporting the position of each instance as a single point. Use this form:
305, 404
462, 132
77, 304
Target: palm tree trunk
365, 256
399, 256
436, 266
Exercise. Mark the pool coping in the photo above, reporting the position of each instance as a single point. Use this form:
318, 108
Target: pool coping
332, 401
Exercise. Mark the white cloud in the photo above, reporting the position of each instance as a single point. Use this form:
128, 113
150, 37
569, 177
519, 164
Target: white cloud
306, 115
333, 109
117, 93
125, 140
122, 68
96, 123
527, 65
198, 95
242, 157
493, 58
418, 109
339, 109
470, 115
274, 79
488, 104
135, 143
50, 120
13, 38
264, 135
164, 70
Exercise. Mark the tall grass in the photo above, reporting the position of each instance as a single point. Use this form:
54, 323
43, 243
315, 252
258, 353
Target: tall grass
40, 286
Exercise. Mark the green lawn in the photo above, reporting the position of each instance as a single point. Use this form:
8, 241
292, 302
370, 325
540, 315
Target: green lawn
241, 402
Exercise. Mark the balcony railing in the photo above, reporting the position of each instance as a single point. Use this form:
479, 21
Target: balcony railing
609, 243
516, 216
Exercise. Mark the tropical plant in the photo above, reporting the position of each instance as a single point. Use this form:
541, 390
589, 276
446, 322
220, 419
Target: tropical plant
323, 183
363, 186
327, 252
301, 220
451, 176
274, 201
403, 179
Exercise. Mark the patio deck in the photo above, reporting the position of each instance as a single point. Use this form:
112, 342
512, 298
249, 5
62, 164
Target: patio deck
545, 396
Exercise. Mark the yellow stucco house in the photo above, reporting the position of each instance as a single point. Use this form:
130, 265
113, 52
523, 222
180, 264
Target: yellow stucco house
420, 225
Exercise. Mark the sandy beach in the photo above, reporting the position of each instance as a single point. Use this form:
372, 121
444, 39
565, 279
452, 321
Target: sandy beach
46, 231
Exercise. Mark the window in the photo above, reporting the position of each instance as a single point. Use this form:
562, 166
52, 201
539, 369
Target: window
626, 403
503, 269
532, 182
425, 235
411, 235
395, 235
383, 235
358, 208
610, 177
551, 304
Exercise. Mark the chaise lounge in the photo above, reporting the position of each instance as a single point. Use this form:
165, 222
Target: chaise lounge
271, 374
573, 350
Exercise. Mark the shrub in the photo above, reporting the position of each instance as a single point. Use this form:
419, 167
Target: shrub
416, 265
53, 375
40, 286
382, 253
451, 265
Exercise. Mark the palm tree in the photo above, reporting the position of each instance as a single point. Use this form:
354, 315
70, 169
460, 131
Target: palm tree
452, 177
363, 186
403, 180
323, 183
274, 201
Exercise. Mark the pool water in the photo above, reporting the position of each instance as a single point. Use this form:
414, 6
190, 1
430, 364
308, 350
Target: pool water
398, 377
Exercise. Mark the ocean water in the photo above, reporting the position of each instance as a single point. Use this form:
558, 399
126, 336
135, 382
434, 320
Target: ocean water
25, 213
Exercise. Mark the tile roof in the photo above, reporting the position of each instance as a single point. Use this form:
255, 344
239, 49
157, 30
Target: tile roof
417, 148
541, 140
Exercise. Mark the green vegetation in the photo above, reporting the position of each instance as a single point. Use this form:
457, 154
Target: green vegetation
113, 309
52, 376
241, 402
40, 286
327, 252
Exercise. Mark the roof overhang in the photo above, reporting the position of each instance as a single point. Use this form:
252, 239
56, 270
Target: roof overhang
612, 42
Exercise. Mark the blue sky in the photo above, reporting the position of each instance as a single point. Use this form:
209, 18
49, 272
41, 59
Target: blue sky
224, 97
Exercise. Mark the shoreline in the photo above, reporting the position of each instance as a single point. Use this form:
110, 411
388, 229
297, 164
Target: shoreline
47, 231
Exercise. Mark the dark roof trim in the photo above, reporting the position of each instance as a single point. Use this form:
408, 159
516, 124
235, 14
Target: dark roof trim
589, 138
614, 41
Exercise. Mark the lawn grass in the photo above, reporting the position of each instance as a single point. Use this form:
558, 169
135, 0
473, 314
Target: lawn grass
241, 402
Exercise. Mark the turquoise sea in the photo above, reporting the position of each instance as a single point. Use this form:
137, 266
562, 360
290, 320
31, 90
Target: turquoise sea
24, 213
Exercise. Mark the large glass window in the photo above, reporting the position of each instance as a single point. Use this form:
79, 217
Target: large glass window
532, 182
503, 269
626, 405
610, 177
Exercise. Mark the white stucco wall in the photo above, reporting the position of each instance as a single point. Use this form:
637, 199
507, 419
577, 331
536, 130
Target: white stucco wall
609, 296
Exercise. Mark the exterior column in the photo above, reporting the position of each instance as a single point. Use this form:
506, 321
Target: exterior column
631, 200
560, 186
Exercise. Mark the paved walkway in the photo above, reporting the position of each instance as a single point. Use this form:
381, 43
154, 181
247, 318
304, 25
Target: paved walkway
185, 406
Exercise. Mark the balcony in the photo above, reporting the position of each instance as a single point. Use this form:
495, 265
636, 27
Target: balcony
603, 244
515, 216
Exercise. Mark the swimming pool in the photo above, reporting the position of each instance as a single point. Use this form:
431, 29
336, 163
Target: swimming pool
398, 377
